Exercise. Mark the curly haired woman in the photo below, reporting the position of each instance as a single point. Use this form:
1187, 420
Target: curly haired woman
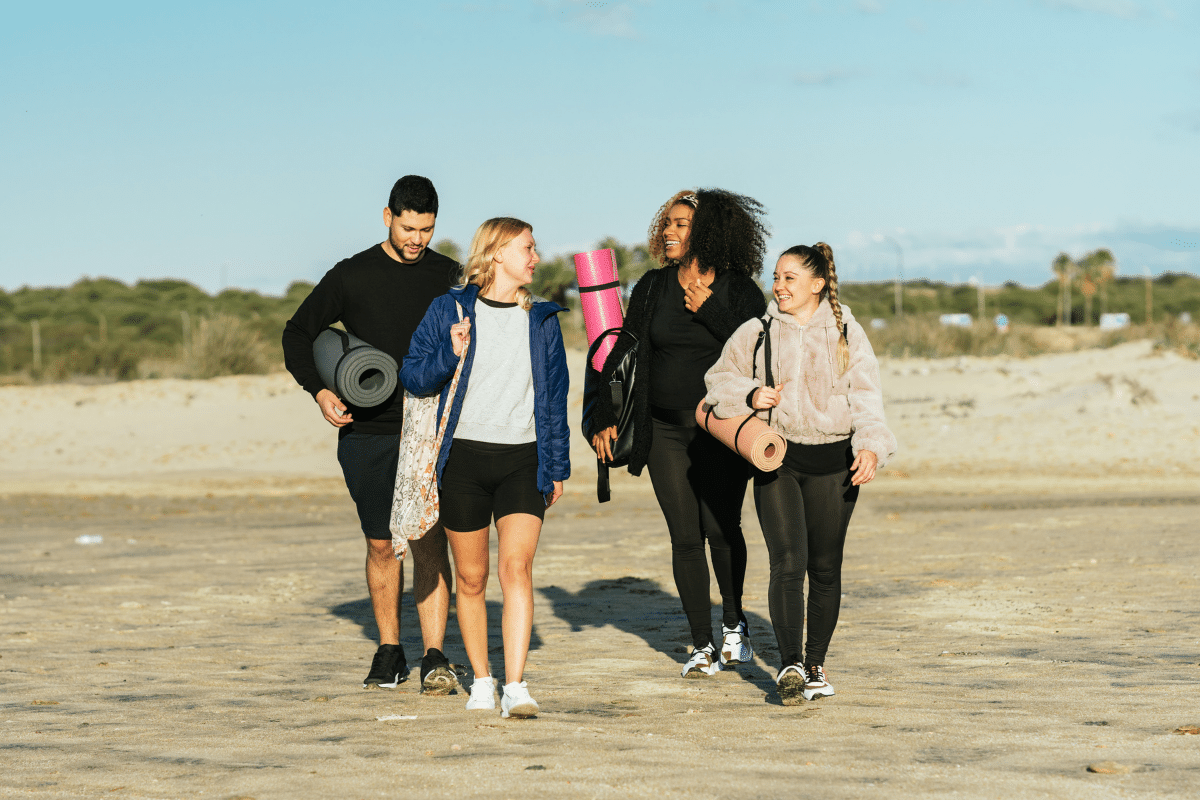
711, 245
828, 404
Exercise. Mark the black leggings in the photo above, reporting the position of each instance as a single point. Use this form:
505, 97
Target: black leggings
700, 485
804, 520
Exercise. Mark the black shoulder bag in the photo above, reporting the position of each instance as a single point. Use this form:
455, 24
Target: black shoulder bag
620, 389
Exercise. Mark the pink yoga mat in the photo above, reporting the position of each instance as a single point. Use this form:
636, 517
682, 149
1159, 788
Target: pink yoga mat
748, 436
600, 296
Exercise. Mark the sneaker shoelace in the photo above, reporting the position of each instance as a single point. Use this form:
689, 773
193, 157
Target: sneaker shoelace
815, 675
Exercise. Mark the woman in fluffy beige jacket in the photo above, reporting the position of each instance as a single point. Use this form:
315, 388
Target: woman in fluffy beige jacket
828, 403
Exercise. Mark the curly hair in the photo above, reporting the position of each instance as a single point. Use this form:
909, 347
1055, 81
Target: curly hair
728, 231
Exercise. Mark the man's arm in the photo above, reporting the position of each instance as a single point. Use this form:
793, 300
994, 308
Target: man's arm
320, 309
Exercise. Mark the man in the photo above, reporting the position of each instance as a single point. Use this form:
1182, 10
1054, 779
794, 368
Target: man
380, 295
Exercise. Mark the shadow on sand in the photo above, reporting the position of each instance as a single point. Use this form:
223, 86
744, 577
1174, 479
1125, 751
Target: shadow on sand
656, 617
360, 613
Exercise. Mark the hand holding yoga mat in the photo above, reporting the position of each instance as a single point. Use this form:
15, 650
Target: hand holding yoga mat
353, 370
600, 297
747, 435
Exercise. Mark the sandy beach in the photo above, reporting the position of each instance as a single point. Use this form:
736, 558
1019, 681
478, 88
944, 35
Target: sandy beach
1020, 615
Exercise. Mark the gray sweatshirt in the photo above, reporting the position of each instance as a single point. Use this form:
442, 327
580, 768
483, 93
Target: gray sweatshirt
498, 405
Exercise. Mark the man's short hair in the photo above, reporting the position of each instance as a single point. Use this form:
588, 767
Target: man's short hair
413, 193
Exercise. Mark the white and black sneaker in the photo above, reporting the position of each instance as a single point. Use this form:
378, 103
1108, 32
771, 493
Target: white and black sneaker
790, 683
438, 675
735, 645
389, 668
703, 662
815, 685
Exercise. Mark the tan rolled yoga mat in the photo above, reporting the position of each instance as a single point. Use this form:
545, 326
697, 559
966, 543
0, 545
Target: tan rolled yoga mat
747, 435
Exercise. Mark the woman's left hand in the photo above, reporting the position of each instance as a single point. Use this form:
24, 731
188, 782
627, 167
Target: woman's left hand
863, 467
694, 295
557, 493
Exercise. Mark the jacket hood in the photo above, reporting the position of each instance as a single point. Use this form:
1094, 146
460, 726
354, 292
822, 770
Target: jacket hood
822, 318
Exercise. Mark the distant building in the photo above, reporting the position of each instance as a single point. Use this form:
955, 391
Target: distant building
1113, 322
956, 320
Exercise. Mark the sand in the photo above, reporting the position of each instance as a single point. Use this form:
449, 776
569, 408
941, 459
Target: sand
1020, 605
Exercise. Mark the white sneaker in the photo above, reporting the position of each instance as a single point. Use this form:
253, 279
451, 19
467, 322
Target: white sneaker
516, 701
790, 683
483, 693
703, 662
815, 684
735, 647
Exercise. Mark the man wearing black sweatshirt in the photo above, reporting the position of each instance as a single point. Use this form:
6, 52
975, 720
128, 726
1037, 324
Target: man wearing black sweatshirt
380, 296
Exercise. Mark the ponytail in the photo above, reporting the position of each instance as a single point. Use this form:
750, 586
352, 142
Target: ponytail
831, 290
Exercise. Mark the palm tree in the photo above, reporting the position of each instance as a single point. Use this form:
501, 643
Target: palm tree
1105, 265
1065, 269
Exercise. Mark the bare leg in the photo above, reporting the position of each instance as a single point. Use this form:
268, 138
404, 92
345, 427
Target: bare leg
471, 558
431, 586
385, 583
518, 535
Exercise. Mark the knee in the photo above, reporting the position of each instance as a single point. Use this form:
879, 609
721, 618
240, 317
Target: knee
380, 550
470, 582
516, 571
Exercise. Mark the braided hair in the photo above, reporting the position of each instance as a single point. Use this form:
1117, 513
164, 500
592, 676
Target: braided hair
818, 260
728, 231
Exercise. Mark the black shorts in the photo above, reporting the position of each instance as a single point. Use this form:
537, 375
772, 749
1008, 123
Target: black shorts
369, 465
483, 481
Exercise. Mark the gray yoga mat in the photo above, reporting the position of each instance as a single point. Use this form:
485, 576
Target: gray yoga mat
353, 370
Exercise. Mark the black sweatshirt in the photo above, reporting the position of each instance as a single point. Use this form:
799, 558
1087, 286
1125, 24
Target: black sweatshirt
743, 300
379, 300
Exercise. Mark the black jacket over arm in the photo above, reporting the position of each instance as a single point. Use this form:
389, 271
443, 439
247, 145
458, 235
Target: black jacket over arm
746, 301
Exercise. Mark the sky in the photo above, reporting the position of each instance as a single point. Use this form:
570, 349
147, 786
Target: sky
250, 144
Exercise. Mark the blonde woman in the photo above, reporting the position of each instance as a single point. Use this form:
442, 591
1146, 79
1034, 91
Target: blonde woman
827, 402
505, 451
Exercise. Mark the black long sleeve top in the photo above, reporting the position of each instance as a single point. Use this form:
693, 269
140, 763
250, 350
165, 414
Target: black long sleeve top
743, 299
379, 300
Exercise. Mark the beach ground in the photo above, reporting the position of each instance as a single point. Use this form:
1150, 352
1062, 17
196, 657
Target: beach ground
1019, 609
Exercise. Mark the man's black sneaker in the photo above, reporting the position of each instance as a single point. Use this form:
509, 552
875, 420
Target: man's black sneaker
388, 669
437, 674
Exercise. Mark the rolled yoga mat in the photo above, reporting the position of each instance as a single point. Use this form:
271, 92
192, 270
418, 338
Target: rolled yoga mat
353, 370
600, 297
748, 436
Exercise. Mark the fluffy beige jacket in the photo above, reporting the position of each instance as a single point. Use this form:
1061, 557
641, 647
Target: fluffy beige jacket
817, 405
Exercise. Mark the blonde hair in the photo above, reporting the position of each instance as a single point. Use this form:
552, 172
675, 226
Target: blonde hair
818, 260
490, 238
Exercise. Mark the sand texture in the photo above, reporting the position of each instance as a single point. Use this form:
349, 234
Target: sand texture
1021, 613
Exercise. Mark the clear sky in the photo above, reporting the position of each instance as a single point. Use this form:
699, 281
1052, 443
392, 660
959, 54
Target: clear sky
253, 143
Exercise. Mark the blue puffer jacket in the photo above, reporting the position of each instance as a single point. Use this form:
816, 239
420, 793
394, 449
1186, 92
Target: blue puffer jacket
431, 362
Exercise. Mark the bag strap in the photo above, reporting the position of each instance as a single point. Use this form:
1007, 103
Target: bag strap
764, 341
453, 382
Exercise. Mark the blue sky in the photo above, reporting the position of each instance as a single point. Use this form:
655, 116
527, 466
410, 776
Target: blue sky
254, 143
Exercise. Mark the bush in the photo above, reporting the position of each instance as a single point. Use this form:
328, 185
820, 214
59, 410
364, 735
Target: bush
227, 345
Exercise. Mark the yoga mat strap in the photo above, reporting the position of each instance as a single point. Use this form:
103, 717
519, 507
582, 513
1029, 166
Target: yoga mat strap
600, 287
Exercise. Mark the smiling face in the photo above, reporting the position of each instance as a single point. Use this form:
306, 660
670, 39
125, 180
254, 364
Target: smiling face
409, 233
796, 289
678, 231
516, 261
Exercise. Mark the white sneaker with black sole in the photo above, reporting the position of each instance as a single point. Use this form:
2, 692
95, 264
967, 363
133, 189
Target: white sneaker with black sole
483, 693
735, 645
516, 701
815, 685
703, 662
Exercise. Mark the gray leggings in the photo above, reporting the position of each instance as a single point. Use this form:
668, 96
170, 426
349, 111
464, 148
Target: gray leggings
804, 520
